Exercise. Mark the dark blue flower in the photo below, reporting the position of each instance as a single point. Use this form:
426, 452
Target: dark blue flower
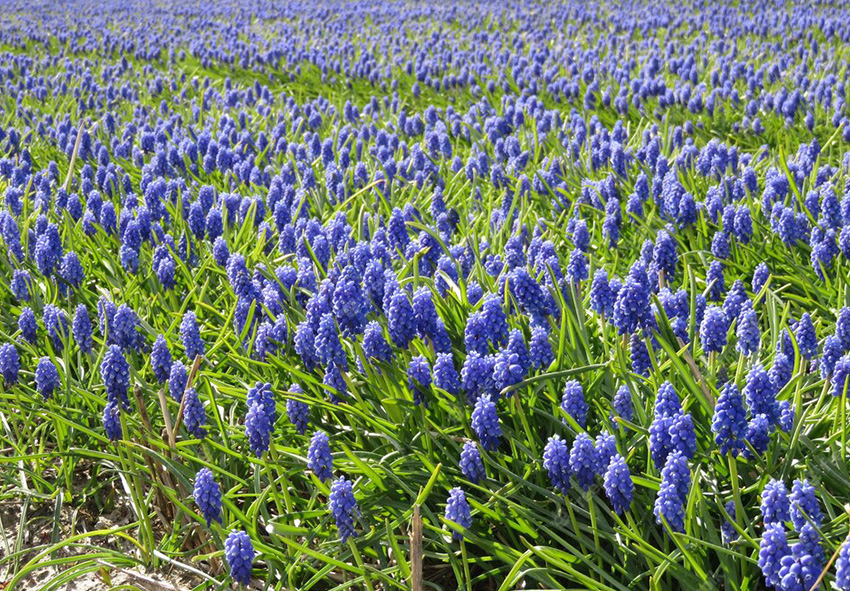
10, 364
761, 394
673, 494
728, 533
775, 505
832, 352
375, 346
667, 401
715, 282
240, 555
682, 436
177, 379
606, 448
720, 245
124, 328
540, 348
71, 270
781, 370
56, 323
46, 377
840, 377
477, 376
807, 340
319, 458
713, 330
21, 284
457, 511
485, 423
618, 484
577, 266
82, 329
221, 254
804, 505
419, 379
842, 567
425, 312
334, 382
297, 411
760, 276
445, 374
735, 300
475, 334
349, 302
556, 461
621, 405
507, 369
343, 507
471, 464
194, 414
305, 347
786, 416
729, 424
112, 421
207, 496
801, 568
584, 462
573, 402
190, 336
401, 320
758, 435
258, 427
664, 255
329, 349
747, 331
601, 296
639, 355
631, 307
115, 373
494, 319
262, 394
161, 359
842, 328
772, 549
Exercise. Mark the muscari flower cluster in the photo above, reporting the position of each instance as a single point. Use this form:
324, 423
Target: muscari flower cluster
342, 284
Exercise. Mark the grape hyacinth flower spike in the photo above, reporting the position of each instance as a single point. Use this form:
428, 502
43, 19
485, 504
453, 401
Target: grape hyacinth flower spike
239, 553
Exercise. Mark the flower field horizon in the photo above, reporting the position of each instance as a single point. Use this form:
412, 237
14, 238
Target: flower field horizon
402, 295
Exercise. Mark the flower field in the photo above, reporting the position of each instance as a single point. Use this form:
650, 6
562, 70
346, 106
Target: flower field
402, 295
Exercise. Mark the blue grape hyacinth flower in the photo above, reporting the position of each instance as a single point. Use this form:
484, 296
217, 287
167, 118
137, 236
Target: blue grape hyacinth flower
485, 423
471, 464
675, 486
297, 411
775, 504
207, 494
112, 421
457, 511
729, 423
190, 336
10, 364
194, 414
319, 458
161, 359
343, 507
239, 553
556, 461
772, 549
584, 460
258, 428
573, 402
618, 484
46, 377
